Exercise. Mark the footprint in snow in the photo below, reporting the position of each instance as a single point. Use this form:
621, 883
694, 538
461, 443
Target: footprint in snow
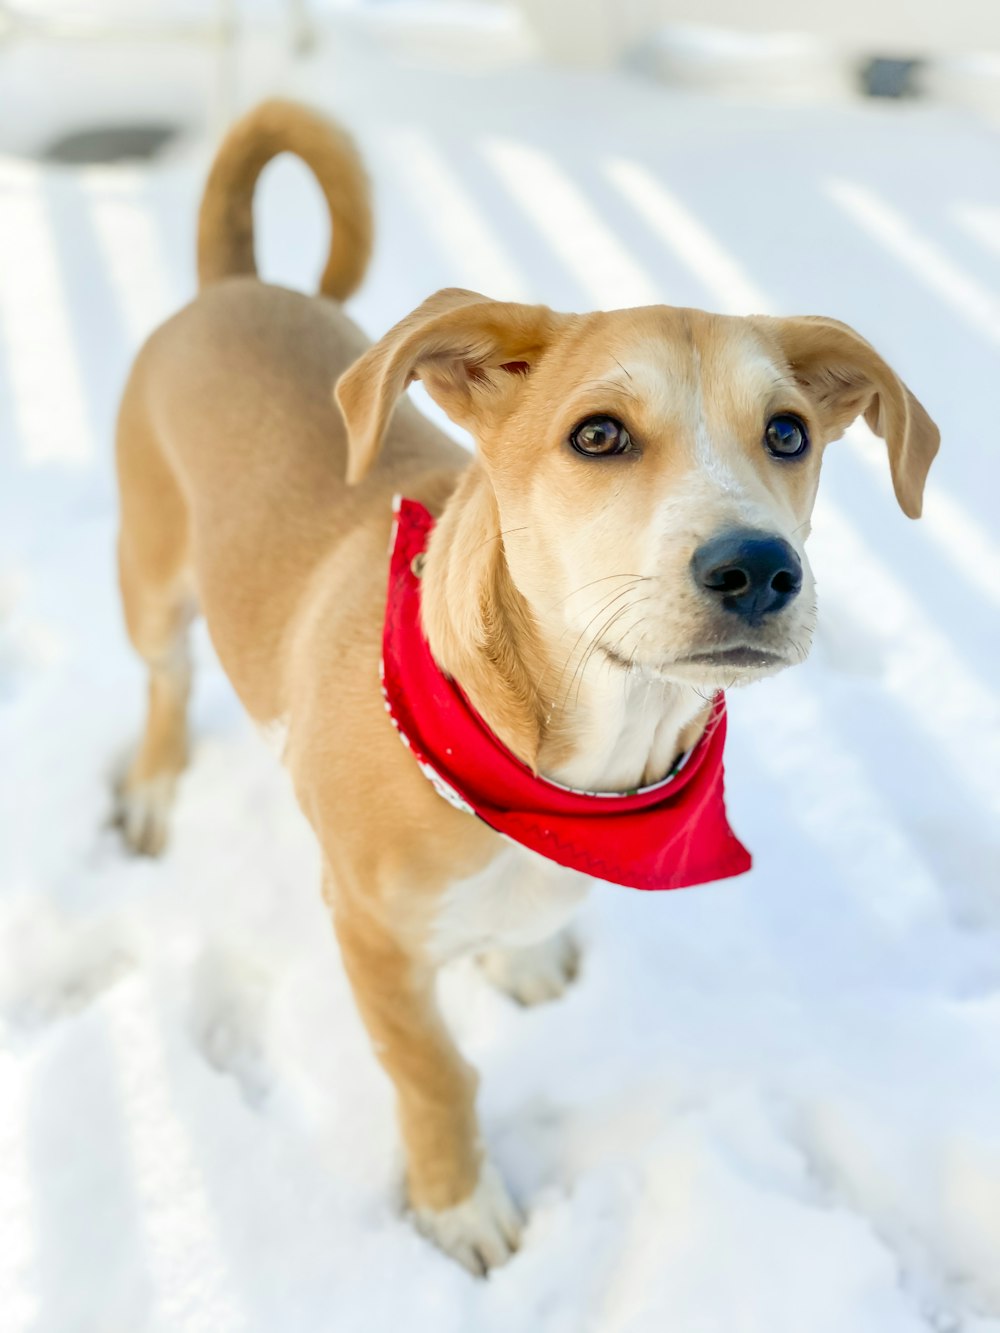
229, 1009
952, 1291
56, 967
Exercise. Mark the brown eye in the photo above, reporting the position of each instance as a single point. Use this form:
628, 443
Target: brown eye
786, 436
600, 436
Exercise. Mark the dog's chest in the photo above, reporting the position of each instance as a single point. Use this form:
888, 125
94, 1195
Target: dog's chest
520, 898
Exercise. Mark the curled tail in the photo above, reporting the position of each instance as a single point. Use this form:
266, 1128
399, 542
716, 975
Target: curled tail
225, 223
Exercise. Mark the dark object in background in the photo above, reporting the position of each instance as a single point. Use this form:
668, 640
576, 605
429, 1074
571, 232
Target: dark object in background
884, 77
110, 143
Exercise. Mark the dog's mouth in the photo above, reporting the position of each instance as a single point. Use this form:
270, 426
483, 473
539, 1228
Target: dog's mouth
738, 661
713, 666
743, 655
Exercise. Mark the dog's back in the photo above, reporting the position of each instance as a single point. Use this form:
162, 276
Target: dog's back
228, 428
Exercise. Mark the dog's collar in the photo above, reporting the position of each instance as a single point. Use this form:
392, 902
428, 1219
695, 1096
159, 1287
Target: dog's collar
668, 836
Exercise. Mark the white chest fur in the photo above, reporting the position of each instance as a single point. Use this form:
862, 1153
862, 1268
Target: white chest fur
519, 899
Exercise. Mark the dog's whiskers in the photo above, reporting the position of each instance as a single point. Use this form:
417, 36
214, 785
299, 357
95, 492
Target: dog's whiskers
606, 603
596, 643
604, 579
615, 385
499, 536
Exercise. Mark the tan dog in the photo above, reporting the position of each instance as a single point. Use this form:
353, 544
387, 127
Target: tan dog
627, 539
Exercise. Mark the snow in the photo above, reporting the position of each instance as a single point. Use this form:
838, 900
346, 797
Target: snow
771, 1104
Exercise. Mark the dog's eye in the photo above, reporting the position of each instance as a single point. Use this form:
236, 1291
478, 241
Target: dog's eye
600, 436
786, 436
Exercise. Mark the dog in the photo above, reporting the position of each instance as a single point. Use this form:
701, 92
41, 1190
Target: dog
548, 633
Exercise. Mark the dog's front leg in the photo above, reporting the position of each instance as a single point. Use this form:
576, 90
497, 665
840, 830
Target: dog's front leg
458, 1198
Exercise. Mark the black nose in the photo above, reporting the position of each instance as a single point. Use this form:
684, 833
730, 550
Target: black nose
751, 573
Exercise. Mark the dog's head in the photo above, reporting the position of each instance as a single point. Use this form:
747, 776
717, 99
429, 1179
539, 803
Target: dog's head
654, 469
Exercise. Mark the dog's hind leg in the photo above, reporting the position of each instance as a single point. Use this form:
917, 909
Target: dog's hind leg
158, 600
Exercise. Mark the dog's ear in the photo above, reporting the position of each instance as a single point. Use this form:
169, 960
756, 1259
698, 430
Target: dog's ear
468, 351
845, 377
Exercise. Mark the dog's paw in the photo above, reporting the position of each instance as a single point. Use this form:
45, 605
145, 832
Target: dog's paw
142, 813
481, 1232
535, 974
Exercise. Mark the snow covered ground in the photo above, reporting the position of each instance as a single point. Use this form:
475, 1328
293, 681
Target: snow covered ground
771, 1106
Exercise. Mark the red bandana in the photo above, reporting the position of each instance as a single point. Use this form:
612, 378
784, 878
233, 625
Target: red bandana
667, 836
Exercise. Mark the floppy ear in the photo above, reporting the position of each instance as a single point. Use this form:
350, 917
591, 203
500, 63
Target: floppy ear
845, 377
469, 352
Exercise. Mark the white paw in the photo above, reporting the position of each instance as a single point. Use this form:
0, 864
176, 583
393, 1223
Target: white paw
483, 1231
142, 812
538, 973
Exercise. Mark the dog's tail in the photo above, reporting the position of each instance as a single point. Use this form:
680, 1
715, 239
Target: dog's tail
225, 223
